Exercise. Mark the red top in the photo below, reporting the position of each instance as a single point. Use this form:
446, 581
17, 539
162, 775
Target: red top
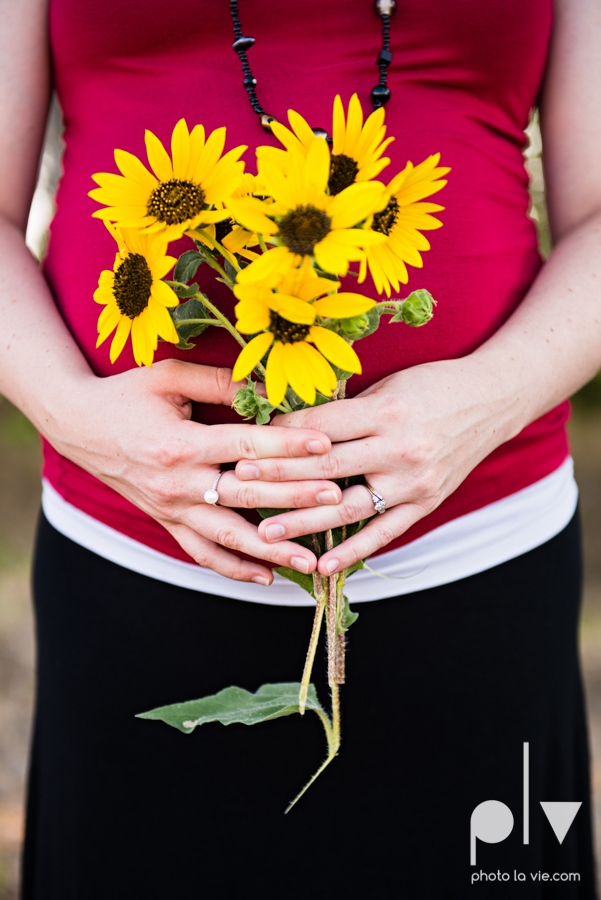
464, 78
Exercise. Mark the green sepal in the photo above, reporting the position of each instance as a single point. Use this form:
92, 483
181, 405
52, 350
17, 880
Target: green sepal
186, 266
235, 705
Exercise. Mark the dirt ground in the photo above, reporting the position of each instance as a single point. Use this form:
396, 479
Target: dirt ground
19, 501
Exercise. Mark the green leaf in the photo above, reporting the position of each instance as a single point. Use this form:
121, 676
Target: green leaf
191, 309
186, 266
229, 270
340, 374
347, 618
304, 581
266, 512
234, 704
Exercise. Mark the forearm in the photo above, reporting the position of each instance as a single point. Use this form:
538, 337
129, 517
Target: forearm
551, 345
42, 370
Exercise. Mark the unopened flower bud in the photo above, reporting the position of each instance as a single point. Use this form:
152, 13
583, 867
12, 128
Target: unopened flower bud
418, 308
354, 328
246, 402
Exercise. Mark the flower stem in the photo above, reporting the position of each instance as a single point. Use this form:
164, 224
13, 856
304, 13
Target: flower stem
306, 680
220, 249
341, 643
214, 322
223, 319
212, 262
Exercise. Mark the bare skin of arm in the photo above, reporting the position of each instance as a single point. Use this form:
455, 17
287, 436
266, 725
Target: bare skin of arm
133, 431
417, 451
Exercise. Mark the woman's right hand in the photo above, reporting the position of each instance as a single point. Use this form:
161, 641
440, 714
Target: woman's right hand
134, 432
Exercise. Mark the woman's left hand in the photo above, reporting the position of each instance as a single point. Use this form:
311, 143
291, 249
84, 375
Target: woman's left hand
415, 436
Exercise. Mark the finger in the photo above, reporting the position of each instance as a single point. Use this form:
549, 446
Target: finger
229, 530
204, 384
230, 443
287, 495
351, 458
379, 532
356, 504
210, 556
344, 420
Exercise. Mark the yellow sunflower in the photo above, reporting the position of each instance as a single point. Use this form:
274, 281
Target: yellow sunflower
286, 317
304, 221
135, 299
357, 146
186, 192
401, 221
234, 238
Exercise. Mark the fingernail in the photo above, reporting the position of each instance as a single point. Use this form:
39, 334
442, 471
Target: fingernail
273, 532
332, 565
300, 564
248, 472
315, 447
327, 497
260, 579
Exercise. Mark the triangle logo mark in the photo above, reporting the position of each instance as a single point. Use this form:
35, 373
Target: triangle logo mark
560, 814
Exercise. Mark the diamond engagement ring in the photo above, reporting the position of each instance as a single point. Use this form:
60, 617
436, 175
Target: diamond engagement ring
378, 499
211, 496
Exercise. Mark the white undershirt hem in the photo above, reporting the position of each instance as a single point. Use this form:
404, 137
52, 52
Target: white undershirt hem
465, 546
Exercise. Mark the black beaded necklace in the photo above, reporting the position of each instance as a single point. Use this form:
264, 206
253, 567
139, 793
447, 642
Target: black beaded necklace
380, 93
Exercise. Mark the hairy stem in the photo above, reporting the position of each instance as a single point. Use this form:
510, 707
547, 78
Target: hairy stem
214, 322
332, 630
341, 642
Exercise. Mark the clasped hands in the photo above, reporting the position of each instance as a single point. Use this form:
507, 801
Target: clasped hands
415, 435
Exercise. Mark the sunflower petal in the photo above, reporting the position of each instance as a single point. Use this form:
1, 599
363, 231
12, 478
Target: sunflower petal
338, 126
298, 373
335, 349
322, 373
131, 167
180, 149
121, 335
158, 157
276, 382
252, 354
268, 268
343, 306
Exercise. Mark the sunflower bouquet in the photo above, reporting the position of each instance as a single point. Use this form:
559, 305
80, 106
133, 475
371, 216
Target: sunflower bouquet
280, 240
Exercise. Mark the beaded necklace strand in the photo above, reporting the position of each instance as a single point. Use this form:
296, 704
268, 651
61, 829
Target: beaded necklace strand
380, 93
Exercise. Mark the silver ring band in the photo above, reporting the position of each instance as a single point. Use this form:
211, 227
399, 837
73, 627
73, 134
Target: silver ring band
378, 500
211, 496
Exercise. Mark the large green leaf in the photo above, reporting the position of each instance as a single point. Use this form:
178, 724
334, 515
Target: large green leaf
186, 266
234, 704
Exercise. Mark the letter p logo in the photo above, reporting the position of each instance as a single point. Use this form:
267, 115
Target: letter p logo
492, 822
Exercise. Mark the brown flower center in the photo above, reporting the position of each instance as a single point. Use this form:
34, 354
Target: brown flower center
285, 331
302, 228
131, 288
384, 221
175, 201
343, 171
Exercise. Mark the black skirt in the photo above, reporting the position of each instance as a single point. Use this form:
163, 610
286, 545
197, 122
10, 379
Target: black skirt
444, 687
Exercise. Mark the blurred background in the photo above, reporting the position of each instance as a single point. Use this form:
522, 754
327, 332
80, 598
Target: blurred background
19, 504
